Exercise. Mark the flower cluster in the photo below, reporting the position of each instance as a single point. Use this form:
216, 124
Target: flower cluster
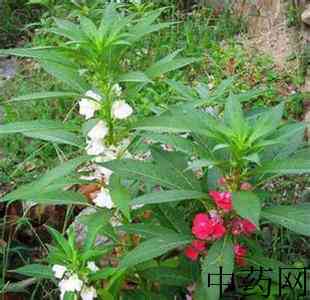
120, 110
70, 282
213, 225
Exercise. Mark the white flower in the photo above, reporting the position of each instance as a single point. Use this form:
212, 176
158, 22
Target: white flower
59, 271
72, 284
104, 199
117, 90
92, 266
93, 95
95, 147
99, 131
88, 107
121, 110
106, 173
88, 293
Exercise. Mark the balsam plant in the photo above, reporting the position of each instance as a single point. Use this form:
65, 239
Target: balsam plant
215, 215
191, 204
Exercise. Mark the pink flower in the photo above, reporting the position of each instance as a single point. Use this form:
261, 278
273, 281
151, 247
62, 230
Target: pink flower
222, 200
191, 253
240, 253
221, 181
202, 226
199, 245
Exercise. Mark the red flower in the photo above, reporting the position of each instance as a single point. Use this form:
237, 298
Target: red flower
222, 200
248, 226
237, 227
199, 245
202, 226
240, 253
191, 253
207, 227
244, 226
219, 231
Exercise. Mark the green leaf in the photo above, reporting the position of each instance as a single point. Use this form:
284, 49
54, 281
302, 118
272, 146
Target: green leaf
183, 90
178, 143
70, 296
233, 116
292, 217
153, 248
145, 171
168, 196
30, 126
167, 276
97, 223
58, 136
168, 64
57, 198
290, 166
267, 123
220, 255
120, 196
173, 217
103, 274
44, 183
181, 121
69, 30
146, 230
36, 271
174, 165
247, 205
67, 74
51, 54
44, 96
134, 77
61, 243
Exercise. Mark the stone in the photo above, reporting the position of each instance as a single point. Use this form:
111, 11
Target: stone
8, 68
305, 16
